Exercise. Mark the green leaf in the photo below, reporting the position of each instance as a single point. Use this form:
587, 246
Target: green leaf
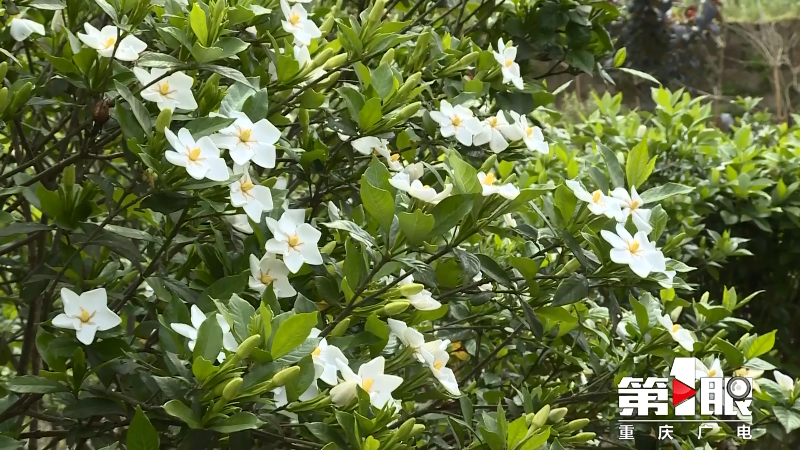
241, 313
537, 440
640, 74
642, 318
205, 126
378, 203
416, 226
224, 288
292, 332
159, 60
733, 356
757, 346
789, 418
197, 19
571, 290
449, 212
582, 59
370, 114
231, 46
636, 164
465, 177
516, 431
107, 8
93, 406
48, 5
612, 163
490, 267
619, 58
355, 231
383, 80
238, 422
209, 340
176, 408
142, 435
230, 73
354, 267
380, 330
6, 443
137, 107
665, 191
23, 228
32, 384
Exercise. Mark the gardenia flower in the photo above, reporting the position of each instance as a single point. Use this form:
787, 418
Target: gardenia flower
21, 29
246, 141
437, 361
532, 136
325, 358
298, 24
254, 198
490, 132
786, 383
505, 56
240, 223
422, 300
281, 398
599, 203
701, 371
270, 270
508, 219
197, 318
402, 181
105, 41
371, 144
171, 92
201, 158
371, 379
456, 120
414, 340
87, 314
507, 190
294, 239
414, 171
303, 58
635, 251
631, 205
679, 334
483, 287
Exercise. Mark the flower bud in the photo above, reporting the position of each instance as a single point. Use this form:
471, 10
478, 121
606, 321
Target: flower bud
540, 417
344, 393
163, 120
335, 62
468, 59
232, 389
322, 57
376, 13
489, 163
388, 57
411, 289
69, 177
247, 347
3, 98
409, 111
395, 308
409, 85
3, 70
580, 437
327, 25
577, 424
557, 415
340, 328
285, 376
416, 430
405, 430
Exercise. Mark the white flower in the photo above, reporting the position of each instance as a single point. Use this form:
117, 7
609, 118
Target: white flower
201, 158
701, 371
532, 136
190, 331
456, 121
298, 24
599, 203
635, 251
490, 132
507, 190
22, 28
325, 358
371, 144
414, 339
105, 40
246, 141
414, 171
57, 24
240, 223
402, 181
631, 205
483, 287
294, 239
303, 58
422, 300
254, 198
679, 334
508, 219
281, 398
333, 211
505, 56
371, 379
786, 383
270, 270
171, 92
87, 314
437, 361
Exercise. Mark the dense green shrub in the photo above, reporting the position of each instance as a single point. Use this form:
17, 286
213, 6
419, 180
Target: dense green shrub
373, 283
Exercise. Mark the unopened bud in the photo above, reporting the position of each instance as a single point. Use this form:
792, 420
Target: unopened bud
3, 70
529, 419
163, 120
340, 328
577, 424
409, 111
69, 177
3, 98
487, 166
540, 418
580, 437
468, 59
416, 430
557, 415
388, 57
396, 307
409, 85
411, 289
405, 430
285, 376
99, 112
376, 12
322, 57
232, 389
335, 62
247, 347
327, 25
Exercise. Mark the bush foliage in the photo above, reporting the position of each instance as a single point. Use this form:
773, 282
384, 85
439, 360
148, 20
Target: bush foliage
255, 224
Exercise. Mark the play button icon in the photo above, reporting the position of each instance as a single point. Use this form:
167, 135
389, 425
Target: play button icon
681, 392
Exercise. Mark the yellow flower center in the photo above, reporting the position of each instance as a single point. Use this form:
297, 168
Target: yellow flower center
712, 372
493, 122
396, 157
509, 62
634, 204
294, 241
438, 365
633, 246
426, 186
86, 317
163, 88
367, 384
194, 154
596, 196
675, 328
110, 42
316, 351
244, 135
266, 279
456, 121
294, 19
529, 131
247, 185
489, 179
